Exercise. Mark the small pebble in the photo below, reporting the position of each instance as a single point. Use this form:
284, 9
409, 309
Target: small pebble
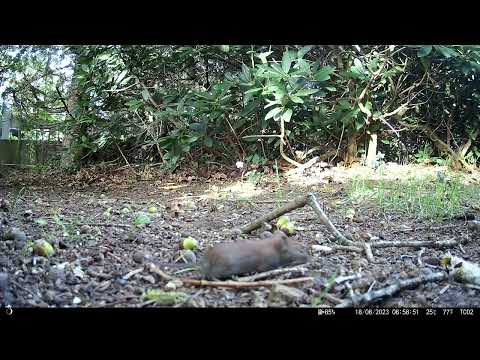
138, 257
100, 258
84, 229
189, 256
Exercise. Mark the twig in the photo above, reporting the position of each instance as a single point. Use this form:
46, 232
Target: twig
148, 302
332, 299
23, 288
271, 273
305, 166
235, 134
104, 224
110, 253
371, 286
131, 273
444, 289
359, 247
414, 244
426, 228
347, 248
64, 104
312, 201
259, 202
370, 297
368, 252
99, 275
121, 153
419, 256
239, 284
342, 279
229, 284
108, 225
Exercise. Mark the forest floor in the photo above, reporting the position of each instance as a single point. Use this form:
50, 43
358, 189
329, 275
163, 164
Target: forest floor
99, 258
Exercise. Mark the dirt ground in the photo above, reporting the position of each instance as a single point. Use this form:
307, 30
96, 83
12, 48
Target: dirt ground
99, 253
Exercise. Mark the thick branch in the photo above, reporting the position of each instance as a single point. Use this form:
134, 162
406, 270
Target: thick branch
292, 205
228, 284
414, 244
389, 291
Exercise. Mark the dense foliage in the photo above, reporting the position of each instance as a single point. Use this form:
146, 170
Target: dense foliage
173, 104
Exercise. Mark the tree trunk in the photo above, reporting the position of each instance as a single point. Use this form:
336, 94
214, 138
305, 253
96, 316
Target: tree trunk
70, 156
351, 155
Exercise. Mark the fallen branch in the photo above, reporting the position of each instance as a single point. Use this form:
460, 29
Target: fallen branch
292, 205
299, 202
425, 228
348, 248
98, 224
266, 274
389, 291
361, 247
415, 244
229, 284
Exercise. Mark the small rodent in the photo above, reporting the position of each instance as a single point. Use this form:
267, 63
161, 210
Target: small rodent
249, 256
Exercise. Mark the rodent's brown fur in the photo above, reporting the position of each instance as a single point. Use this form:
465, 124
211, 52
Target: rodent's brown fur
246, 256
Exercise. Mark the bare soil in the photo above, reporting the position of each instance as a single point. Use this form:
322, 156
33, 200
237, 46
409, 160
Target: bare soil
91, 262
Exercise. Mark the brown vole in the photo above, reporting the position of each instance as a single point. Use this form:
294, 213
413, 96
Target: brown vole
246, 256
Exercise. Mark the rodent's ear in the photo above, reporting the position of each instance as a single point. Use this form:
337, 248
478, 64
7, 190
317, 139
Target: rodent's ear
283, 243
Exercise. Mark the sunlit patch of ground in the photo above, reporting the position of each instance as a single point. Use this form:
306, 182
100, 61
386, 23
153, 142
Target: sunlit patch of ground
241, 190
388, 172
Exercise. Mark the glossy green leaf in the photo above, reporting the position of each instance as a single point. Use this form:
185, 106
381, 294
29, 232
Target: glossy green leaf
324, 73
246, 72
253, 90
296, 99
306, 92
304, 50
424, 51
273, 112
208, 141
288, 57
263, 56
287, 115
446, 51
